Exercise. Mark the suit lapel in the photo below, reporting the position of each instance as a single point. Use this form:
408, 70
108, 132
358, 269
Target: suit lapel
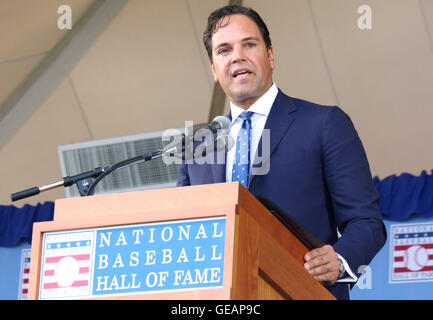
279, 120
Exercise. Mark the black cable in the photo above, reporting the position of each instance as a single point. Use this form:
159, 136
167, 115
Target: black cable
145, 157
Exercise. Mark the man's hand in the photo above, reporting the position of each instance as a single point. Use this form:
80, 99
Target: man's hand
323, 264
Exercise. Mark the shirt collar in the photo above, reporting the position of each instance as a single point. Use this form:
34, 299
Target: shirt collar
261, 106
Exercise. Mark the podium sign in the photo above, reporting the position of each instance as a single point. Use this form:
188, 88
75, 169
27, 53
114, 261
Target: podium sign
133, 259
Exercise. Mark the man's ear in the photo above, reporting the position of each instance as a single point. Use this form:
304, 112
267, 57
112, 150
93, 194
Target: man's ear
271, 56
212, 67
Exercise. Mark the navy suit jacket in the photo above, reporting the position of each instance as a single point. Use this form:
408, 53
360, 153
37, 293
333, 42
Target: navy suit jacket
319, 175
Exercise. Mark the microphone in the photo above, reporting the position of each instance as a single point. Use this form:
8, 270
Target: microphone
183, 145
218, 123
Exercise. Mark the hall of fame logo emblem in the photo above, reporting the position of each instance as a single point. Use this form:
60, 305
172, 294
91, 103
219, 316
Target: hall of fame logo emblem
67, 264
411, 253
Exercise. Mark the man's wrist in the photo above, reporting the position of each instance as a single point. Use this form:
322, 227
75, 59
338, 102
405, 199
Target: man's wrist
341, 269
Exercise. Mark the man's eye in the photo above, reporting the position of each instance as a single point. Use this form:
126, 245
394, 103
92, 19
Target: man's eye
251, 44
222, 51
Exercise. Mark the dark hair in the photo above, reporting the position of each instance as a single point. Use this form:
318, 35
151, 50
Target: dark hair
215, 21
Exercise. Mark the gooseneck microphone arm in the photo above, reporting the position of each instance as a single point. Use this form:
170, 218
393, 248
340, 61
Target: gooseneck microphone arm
219, 123
132, 161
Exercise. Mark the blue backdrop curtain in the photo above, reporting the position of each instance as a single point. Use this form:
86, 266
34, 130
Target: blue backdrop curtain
16, 224
406, 195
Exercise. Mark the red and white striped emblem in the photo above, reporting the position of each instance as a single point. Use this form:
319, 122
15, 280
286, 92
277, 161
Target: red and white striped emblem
411, 252
66, 265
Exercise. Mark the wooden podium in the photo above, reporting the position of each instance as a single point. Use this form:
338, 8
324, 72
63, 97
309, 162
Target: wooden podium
261, 258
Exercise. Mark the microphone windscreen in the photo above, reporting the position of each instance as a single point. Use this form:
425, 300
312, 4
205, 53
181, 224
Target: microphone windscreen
223, 122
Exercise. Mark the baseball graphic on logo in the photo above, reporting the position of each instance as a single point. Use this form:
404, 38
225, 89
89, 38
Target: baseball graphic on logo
416, 258
67, 271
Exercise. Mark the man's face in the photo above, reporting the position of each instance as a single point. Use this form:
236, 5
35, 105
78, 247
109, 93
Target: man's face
241, 62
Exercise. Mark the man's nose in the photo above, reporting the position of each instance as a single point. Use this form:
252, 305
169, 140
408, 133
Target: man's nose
238, 54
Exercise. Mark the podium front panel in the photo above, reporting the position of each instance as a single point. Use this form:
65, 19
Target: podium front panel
184, 258
133, 259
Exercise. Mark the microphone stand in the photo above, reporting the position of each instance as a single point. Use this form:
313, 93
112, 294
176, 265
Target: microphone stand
65, 182
84, 181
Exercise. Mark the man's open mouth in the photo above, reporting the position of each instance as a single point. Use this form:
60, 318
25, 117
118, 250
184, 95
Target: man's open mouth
241, 73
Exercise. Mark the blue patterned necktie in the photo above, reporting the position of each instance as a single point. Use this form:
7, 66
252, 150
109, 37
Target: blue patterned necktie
241, 166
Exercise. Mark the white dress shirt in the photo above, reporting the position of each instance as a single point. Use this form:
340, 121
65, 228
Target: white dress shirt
261, 109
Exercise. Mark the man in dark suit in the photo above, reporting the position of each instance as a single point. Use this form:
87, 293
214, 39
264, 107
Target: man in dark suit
311, 164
